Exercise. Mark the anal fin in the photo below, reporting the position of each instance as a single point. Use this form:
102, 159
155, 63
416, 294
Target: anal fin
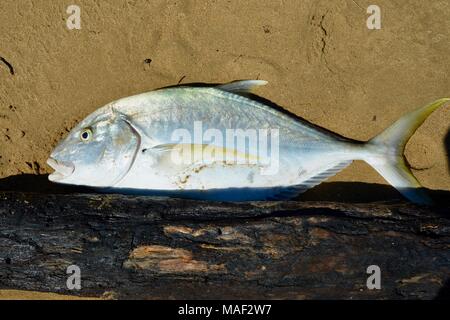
288, 192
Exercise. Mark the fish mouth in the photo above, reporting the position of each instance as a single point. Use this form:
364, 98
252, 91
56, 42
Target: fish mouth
63, 169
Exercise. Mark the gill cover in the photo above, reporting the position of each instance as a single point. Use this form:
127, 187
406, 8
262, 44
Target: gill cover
125, 143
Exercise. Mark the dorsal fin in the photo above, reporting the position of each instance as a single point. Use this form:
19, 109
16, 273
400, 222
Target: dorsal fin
242, 86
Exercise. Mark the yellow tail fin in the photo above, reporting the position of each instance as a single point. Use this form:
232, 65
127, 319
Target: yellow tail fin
387, 152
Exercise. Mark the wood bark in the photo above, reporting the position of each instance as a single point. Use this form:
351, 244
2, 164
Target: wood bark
130, 247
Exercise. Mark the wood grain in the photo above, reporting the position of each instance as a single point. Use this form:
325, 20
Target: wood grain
154, 248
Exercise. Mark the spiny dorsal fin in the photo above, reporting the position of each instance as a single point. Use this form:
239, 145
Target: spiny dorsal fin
242, 86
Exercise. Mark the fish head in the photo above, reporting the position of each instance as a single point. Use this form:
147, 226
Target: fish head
98, 152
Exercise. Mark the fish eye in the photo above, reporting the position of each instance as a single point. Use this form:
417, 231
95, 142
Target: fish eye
86, 135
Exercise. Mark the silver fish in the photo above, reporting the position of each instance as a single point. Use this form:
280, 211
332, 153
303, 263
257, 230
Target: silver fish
220, 143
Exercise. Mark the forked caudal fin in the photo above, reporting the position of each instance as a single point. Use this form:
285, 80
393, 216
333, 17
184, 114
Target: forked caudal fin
385, 153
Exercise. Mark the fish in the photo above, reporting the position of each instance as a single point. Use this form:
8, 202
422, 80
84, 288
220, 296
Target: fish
222, 142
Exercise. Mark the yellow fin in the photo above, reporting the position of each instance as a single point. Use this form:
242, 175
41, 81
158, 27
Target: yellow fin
390, 145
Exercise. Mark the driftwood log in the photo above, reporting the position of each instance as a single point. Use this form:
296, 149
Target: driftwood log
156, 248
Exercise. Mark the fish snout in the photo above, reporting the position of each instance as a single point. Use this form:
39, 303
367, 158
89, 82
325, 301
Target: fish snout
63, 169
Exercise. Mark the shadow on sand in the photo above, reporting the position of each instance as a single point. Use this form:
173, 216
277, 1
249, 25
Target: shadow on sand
351, 192
447, 148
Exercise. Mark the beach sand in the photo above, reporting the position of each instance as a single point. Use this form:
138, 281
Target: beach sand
321, 61
33, 295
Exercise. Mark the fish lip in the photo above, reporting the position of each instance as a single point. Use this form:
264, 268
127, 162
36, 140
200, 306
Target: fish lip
63, 169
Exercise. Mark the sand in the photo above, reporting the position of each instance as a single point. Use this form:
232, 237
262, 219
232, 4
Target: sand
33, 295
321, 61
